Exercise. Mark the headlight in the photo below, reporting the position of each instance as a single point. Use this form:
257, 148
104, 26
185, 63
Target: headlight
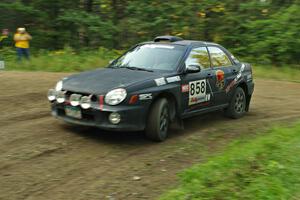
59, 86
85, 102
116, 96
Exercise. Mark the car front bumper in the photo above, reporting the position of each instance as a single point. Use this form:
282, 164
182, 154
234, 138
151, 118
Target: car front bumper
133, 118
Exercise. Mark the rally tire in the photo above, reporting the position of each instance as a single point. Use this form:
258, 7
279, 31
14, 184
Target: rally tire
237, 104
158, 121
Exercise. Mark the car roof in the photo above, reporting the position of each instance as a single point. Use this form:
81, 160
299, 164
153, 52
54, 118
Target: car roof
184, 43
178, 41
192, 42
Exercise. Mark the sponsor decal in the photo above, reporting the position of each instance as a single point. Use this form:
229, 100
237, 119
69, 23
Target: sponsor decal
157, 46
220, 83
145, 96
200, 99
230, 85
160, 81
173, 79
236, 79
184, 88
197, 92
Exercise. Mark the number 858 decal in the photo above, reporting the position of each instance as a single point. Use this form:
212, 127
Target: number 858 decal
197, 92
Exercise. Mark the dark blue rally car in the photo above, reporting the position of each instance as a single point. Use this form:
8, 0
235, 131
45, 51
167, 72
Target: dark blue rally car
154, 84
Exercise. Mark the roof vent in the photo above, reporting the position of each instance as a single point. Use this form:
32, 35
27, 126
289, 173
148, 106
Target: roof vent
167, 38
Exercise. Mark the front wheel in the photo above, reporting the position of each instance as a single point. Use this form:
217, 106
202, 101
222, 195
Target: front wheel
158, 121
237, 105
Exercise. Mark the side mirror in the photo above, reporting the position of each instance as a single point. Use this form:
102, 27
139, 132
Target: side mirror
193, 68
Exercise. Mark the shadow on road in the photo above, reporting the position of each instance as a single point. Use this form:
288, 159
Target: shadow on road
138, 138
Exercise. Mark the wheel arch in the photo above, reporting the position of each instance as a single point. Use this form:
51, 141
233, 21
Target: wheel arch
243, 85
171, 100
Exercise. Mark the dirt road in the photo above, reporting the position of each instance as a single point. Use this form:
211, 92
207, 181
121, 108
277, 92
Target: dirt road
42, 158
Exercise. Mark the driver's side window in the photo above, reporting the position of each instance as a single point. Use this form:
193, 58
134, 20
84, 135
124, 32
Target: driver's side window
198, 56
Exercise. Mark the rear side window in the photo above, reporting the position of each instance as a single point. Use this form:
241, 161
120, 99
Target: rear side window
199, 56
219, 57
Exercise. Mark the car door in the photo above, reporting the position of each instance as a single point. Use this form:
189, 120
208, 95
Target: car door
196, 88
224, 72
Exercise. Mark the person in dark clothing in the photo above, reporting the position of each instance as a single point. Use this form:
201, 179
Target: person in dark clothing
4, 42
4, 38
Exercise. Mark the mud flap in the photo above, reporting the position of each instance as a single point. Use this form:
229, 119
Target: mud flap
248, 99
177, 124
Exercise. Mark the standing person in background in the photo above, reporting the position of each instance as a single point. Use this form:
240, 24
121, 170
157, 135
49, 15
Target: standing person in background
22, 39
3, 37
3, 42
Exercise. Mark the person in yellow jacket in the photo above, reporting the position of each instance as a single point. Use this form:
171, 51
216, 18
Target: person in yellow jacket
22, 39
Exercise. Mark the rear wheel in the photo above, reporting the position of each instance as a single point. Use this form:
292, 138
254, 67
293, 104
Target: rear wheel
158, 121
237, 105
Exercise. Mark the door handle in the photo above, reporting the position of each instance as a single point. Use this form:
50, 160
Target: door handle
209, 75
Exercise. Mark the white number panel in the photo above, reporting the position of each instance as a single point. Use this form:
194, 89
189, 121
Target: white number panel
197, 92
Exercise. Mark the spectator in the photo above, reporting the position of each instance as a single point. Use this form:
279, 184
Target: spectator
22, 39
3, 42
3, 37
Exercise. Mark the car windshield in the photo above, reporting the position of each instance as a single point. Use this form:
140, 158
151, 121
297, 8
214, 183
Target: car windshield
151, 57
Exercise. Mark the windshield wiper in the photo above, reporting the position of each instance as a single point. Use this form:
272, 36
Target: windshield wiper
137, 68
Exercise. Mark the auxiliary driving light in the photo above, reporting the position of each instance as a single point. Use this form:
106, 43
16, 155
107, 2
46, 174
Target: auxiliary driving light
75, 99
51, 95
114, 118
85, 102
61, 96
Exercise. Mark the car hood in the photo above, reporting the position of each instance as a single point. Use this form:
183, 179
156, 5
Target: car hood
103, 80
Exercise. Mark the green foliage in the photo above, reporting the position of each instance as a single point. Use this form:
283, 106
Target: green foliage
265, 167
279, 39
263, 31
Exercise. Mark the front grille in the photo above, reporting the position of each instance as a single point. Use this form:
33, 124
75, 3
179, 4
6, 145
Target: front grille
88, 117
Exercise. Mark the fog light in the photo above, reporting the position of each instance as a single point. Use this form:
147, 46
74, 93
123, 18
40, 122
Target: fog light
85, 102
60, 97
114, 118
75, 99
51, 95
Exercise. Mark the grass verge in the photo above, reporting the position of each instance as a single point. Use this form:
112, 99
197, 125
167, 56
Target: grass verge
264, 167
286, 73
66, 60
